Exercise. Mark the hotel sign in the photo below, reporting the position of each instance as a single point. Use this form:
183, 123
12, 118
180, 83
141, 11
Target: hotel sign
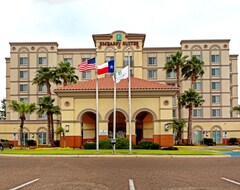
119, 43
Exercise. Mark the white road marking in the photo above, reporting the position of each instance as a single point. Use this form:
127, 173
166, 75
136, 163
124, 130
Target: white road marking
20, 186
232, 181
131, 184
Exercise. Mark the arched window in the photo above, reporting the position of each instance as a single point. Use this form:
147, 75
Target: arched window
216, 134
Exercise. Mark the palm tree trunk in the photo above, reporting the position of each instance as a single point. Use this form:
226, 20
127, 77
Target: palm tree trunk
21, 132
189, 140
178, 92
52, 130
49, 128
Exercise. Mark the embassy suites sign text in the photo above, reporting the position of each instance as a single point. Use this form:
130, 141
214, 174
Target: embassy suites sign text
119, 43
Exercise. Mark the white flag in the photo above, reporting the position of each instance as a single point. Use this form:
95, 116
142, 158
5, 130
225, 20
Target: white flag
123, 74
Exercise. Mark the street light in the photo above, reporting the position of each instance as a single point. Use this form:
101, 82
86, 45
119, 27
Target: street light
67, 128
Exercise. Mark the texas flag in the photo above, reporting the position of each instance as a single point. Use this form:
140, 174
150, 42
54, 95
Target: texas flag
107, 67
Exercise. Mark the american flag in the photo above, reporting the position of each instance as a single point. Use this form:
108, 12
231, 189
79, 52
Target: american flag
90, 64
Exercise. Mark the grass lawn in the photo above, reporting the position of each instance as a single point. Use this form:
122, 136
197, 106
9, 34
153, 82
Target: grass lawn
69, 151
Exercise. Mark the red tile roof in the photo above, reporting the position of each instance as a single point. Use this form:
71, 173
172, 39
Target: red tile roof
106, 83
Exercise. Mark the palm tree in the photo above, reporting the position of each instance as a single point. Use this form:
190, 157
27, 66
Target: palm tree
22, 108
175, 64
236, 109
193, 69
44, 76
66, 72
46, 106
190, 99
178, 127
60, 131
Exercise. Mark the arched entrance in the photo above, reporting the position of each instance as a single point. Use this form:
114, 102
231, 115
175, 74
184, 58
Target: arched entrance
197, 135
144, 126
216, 134
88, 125
120, 125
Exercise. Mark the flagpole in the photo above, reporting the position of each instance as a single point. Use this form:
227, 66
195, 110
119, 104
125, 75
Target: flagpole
97, 119
129, 103
114, 106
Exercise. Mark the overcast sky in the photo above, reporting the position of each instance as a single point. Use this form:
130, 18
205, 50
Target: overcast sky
71, 23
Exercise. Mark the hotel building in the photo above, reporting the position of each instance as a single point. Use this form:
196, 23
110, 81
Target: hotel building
153, 91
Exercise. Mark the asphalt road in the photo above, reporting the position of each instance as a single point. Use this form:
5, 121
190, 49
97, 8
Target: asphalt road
117, 173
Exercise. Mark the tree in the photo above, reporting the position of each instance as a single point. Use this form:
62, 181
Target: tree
60, 131
178, 127
174, 65
46, 106
22, 108
190, 99
3, 106
236, 109
66, 72
193, 69
44, 76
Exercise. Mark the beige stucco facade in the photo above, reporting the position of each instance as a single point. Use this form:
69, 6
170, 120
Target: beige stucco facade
218, 86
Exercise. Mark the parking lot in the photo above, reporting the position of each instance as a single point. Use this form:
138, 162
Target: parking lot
119, 173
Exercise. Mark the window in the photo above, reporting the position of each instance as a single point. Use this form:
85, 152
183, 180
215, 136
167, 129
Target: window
42, 88
24, 137
230, 65
42, 61
152, 61
68, 60
24, 100
84, 59
215, 85
216, 112
171, 74
152, 74
198, 56
125, 61
174, 101
216, 99
23, 88
174, 113
42, 116
197, 86
197, 113
109, 58
171, 84
215, 72
23, 60
168, 59
42, 137
23, 74
86, 75
215, 58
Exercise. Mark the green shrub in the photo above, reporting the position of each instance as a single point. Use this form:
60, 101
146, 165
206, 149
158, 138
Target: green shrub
89, 145
232, 141
122, 143
31, 142
105, 144
208, 142
148, 145
57, 143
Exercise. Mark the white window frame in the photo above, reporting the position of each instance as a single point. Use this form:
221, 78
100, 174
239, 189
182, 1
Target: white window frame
23, 99
125, 61
23, 61
216, 112
197, 86
42, 88
215, 58
23, 74
67, 60
171, 74
197, 112
152, 74
86, 75
216, 99
23, 88
152, 61
216, 72
216, 85
42, 60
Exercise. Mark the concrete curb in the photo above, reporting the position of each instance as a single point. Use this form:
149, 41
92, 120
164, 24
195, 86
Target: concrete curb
118, 156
